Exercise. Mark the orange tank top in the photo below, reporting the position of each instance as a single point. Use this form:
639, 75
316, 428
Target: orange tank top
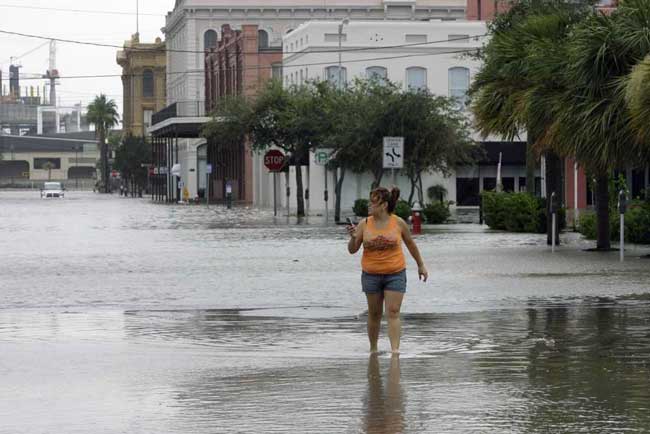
382, 248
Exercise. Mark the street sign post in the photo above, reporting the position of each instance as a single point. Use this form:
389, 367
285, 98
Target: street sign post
274, 160
208, 171
393, 154
321, 158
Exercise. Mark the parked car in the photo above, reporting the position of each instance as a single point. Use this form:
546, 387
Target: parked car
52, 189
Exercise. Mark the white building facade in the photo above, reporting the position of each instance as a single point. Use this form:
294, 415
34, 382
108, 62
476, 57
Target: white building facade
194, 26
430, 55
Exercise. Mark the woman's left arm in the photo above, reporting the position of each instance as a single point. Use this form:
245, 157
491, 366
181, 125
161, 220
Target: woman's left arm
413, 249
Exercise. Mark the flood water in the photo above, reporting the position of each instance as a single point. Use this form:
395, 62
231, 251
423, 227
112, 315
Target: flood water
123, 316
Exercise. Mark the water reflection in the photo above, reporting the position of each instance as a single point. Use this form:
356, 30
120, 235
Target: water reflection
384, 405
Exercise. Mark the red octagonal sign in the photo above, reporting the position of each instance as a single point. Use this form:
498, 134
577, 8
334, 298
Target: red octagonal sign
274, 160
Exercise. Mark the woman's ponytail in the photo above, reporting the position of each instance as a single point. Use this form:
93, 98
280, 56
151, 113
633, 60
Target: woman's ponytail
394, 197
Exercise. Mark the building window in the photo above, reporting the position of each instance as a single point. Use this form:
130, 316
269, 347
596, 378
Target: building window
334, 37
47, 163
209, 39
459, 85
262, 39
416, 39
378, 73
147, 83
333, 76
302, 76
416, 78
459, 39
146, 119
276, 71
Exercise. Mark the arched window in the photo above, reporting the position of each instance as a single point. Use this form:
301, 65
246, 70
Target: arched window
378, 73
459, 85
147, 83
262, 39
209, 39
333, 76
416, 78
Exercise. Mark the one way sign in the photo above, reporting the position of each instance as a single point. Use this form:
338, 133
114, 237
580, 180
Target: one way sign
393, 152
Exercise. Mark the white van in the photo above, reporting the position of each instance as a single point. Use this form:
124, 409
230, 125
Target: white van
52, 189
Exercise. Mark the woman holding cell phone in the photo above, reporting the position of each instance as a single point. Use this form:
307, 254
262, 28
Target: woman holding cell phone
383, 278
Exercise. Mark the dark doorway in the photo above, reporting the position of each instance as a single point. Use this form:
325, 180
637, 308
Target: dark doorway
467, 191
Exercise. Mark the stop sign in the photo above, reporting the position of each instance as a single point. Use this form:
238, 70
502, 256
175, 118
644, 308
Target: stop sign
274, 160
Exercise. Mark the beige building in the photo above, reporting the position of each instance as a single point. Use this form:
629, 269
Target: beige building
70, 158
144, 82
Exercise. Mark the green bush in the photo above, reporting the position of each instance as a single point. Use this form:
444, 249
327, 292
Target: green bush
517, 212
403, 209
360, 208
436, 213
436, 192
637, 224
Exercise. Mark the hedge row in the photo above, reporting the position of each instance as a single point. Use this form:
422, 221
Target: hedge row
637, 224
517, 212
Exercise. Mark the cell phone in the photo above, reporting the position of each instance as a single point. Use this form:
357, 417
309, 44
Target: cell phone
350, 222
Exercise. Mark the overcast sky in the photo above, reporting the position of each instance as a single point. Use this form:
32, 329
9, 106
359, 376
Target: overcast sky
72, 59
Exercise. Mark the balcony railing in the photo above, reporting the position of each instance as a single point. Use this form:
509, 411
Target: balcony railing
180, 109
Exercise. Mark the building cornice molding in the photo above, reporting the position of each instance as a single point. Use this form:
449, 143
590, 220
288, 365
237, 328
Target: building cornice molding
304, 11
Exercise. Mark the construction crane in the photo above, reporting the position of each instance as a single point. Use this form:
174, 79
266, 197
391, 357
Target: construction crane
52, 73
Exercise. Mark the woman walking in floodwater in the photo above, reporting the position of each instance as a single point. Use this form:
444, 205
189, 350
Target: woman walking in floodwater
383, 278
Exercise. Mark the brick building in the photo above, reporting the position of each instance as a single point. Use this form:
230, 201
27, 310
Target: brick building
241, 63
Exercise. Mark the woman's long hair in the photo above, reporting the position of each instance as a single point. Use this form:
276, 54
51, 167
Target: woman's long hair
389, 196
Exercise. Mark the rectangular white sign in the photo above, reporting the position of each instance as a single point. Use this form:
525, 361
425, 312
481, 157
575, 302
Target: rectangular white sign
322, 156
393, 152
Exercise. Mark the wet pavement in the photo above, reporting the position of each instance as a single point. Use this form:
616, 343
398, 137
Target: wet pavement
122, 316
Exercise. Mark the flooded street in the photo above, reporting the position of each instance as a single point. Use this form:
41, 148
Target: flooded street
122, 316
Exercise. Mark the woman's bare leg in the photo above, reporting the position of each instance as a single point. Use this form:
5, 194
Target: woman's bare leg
393, 306
375, 311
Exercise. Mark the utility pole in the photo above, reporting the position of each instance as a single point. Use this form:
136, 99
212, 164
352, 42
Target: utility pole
344, 22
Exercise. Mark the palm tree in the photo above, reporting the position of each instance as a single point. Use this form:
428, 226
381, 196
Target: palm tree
592, 119
521, 78
637, 94
48, 166
102, 112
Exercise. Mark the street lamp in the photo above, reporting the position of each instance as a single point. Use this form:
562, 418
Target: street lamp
76, 166
344, 22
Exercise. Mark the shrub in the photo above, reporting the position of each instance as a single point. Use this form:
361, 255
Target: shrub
517, 212
637, 224
437, 192
436, 213
360, 207
403, 209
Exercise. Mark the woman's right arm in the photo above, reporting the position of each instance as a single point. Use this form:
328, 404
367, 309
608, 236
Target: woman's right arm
356, 237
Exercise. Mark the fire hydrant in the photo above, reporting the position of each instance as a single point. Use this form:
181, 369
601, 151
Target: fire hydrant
416, 218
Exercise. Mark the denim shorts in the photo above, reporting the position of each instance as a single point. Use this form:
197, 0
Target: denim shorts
378, 283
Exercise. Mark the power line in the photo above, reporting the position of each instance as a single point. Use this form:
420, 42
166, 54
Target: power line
171, 50
86, 11
464, 51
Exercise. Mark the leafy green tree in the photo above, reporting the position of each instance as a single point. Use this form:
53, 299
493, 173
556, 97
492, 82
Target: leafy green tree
436, 135
102, 113
131, 158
